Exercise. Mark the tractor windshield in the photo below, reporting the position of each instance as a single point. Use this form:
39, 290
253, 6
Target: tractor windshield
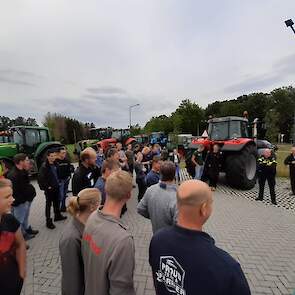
30, 137
18, 137
228, 130
5, 137
219, 130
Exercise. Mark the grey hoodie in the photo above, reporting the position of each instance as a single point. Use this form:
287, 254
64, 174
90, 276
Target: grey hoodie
159, 205
109, 256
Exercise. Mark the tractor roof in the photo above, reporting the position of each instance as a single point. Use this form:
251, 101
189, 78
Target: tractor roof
29, 127
227, 119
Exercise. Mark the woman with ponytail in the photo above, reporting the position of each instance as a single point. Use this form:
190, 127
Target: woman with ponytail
80, 208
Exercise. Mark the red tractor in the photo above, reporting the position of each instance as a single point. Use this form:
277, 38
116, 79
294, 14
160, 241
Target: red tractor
117, 135
238, 148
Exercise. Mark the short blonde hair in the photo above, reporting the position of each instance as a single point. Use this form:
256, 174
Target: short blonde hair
4, 182
82, 203
118, 185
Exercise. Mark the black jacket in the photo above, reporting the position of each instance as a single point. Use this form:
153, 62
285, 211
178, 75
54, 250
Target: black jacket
64, 169
213, 163
267, 166
23, 190
47, 180
288, 161
84, 178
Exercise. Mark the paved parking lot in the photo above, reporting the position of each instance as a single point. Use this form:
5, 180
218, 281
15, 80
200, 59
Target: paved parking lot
259, 235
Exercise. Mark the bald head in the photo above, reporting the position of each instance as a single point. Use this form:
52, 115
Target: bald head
88, 156
267, 153
193, 193
194, 200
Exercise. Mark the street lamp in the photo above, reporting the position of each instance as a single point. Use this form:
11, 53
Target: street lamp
290, 23
130, 108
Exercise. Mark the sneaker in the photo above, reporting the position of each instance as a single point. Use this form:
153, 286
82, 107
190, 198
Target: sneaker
258, 199
60, 218
28, 237
274, 202
31, 231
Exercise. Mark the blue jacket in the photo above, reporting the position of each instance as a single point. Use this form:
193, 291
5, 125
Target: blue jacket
100, 185
187, 262
152, 178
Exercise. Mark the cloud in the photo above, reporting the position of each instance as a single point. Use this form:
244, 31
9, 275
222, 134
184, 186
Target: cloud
16, 77
107, 90
285, 66
20, 73
280, 70
16, 82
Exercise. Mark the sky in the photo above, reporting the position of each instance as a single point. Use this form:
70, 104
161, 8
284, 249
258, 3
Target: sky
93, 59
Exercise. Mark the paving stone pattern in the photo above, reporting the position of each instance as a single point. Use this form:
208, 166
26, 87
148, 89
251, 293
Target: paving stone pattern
260, 236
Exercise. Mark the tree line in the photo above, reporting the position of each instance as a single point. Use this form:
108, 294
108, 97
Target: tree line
275, 111
65, 129
6, 122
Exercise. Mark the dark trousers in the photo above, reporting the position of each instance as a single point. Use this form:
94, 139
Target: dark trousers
141, 188
52, 198
11, 283
292, 180
212, 177
262, 178
131, 168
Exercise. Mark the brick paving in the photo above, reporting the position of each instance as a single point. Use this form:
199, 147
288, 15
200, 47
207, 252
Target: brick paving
260, 236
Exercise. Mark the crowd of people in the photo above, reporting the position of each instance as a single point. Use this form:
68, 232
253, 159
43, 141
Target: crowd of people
97, 250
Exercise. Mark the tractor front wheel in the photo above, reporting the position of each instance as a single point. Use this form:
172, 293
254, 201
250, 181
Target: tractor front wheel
241, 168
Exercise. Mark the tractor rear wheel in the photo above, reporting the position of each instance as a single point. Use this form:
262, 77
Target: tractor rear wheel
241, 168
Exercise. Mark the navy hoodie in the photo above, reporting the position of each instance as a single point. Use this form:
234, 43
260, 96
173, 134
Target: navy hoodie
187, 262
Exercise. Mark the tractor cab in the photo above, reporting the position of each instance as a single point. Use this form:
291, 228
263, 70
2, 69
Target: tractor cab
228, 128
159, 138
29, 138
121, 134
100, 133
5, 137
141, 139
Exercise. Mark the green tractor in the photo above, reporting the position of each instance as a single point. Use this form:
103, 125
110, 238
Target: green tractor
33, 141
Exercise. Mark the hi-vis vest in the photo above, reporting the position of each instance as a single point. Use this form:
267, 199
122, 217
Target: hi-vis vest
266, 162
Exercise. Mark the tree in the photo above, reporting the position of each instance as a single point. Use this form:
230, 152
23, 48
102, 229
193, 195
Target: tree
272, 125
31, 122
5, 123
19, 121
188, 117
136, 130
161, 123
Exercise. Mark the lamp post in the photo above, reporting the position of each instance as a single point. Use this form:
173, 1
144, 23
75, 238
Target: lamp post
290, 23
130, 109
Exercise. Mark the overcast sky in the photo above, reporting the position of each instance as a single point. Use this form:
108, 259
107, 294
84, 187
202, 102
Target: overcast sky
91, 59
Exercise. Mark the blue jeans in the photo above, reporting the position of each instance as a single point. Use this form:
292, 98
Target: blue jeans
21, 213
63, 190
199, 171
177, 169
